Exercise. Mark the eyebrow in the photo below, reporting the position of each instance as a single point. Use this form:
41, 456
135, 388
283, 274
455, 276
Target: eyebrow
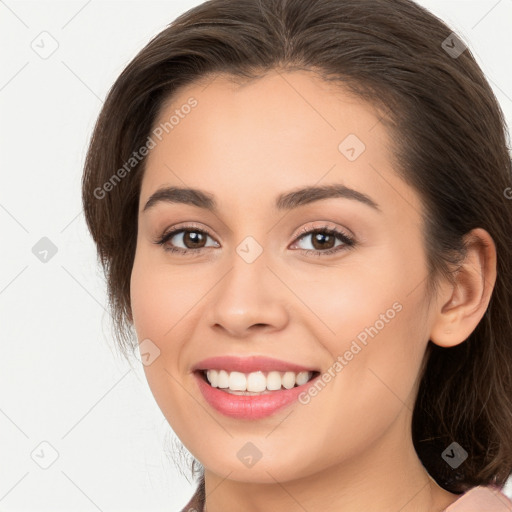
286, 201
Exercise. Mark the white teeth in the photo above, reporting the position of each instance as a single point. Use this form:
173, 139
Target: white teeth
223, 380
274, 381
302, 378
255, 382
237, 381
213, 378
288, 380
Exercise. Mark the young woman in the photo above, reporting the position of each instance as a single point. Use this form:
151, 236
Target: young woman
303, 212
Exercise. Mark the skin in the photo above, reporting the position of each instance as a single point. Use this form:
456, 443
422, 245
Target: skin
350, 448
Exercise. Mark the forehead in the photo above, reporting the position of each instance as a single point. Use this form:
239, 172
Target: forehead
271, 134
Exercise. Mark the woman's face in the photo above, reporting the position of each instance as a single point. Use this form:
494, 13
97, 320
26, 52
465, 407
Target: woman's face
258, 281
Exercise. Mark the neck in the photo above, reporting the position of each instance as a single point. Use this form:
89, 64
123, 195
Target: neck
386, 476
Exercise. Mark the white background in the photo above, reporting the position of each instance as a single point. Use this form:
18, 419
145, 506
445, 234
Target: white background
61, 379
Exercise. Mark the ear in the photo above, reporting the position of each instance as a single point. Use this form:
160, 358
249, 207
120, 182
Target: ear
461, 305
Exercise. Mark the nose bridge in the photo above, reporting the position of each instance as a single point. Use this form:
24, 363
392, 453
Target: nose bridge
248, 269
249, 293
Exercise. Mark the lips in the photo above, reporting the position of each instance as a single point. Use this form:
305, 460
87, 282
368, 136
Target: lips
250, 405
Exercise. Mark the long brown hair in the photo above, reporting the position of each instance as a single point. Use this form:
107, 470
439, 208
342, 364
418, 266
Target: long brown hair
450, 141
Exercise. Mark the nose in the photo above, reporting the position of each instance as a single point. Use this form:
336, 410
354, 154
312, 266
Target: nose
248, 299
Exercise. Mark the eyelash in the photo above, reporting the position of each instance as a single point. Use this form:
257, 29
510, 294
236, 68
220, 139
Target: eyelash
348, 242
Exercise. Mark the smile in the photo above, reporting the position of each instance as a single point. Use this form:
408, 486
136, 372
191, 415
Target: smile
251, 387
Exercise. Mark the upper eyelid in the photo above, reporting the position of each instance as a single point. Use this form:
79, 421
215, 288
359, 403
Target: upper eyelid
323, 227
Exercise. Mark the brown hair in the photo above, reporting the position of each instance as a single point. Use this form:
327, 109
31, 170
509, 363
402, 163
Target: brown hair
450, 142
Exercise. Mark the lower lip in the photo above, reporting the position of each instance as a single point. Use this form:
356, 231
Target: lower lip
251, 407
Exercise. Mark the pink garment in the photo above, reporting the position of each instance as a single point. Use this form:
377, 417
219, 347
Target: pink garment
481, 499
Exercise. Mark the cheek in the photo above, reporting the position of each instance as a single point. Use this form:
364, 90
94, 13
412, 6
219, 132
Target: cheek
159, 301
370, 317
154, 309
361, 300
161, 296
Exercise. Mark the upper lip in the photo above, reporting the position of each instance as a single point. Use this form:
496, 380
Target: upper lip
249, 364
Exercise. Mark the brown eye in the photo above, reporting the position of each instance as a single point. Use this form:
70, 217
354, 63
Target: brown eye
194, 239
185, 240
324, 241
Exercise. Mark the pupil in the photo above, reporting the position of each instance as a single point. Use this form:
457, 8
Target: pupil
194, 238
320, 238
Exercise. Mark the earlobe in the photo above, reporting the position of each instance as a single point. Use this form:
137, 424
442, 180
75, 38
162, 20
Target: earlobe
462, 304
